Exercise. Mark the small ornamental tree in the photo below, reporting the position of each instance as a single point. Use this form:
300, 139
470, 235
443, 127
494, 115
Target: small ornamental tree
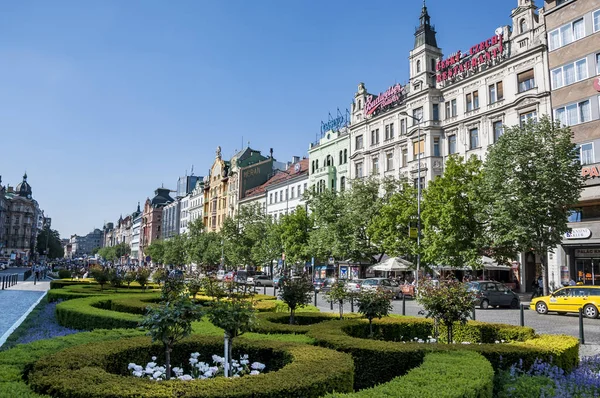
374, 304
448, 302
160, 275
338, 294
129, 277
170, 322
213, 288
296, 292
235, 317
100, 275
194, 285
114, 278
142, 276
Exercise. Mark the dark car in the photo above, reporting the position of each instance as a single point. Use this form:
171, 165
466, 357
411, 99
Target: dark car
495, 294
322, 285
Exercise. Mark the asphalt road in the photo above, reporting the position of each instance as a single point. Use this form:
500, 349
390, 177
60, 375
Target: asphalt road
549, 324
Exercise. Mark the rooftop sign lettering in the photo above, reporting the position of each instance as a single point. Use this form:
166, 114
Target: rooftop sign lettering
391, 96
459, 64
337, 123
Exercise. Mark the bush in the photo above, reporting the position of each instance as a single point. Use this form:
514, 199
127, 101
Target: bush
454, 374
64, 274
60, 283
379, 361
97, 370
94, 313
272, 322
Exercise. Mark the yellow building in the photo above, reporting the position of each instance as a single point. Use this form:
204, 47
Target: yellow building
215, 194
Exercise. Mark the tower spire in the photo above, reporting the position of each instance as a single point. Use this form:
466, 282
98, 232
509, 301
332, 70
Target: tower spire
425, 33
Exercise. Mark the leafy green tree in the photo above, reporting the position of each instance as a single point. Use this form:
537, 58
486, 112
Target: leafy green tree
114, 278
447, 302
331, 231
156, 250
203, 248
100, 275
142, 276
294, 231
121, 250
296, 292
453, 220
374, 304
55, 249
338, 294
194, 284
175, 250
170, 322
268, 248
108, 253
532, 179
95, 250
160, 275
129, 277
390, 228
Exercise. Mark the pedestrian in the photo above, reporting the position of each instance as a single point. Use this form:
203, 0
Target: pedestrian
571, 282
534, 287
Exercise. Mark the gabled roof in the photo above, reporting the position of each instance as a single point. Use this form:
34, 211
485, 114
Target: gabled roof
280, 176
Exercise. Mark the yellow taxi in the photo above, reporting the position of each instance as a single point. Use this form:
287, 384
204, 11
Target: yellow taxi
569, 299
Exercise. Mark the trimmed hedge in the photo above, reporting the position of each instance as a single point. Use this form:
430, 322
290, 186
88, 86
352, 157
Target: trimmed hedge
278, 322
60, 283
379, 361
99, 370
91, 313
453, 374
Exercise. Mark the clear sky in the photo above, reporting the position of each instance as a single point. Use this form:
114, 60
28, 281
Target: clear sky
102, 101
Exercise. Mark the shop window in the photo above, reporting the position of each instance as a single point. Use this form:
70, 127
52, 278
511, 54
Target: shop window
525, 80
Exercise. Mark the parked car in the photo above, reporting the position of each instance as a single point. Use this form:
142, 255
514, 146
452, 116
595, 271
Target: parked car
323, 284
354, 285
259, 280
387, 285
494, 294
570, 299
229, 276
220, 275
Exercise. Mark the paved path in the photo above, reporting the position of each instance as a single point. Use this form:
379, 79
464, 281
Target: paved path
17, 302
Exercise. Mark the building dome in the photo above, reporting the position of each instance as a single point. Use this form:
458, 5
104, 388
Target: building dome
24, 189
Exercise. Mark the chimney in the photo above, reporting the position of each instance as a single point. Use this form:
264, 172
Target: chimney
295, 159
271, 152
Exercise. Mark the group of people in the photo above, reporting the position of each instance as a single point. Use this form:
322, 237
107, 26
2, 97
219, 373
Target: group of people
39, 271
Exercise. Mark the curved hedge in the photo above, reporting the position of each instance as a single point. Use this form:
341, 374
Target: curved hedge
453, 374
378, 361
94, 313
99, 370
278, 322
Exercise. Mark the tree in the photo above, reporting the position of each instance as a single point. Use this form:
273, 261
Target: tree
374, 304
175, 250
447, 303
338, 294
142, 276
269, 247
100, 275
107, 253
296, 292
532, 179
194, 284
95, 250
129, 277
203, 248
170, 322
156, 250
390, 227
453, 222
55, 249
294, 232
121, 250
114, 278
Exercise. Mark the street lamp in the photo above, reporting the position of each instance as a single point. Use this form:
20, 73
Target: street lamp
418, 120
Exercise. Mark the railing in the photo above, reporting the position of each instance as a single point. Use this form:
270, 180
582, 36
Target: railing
9, 280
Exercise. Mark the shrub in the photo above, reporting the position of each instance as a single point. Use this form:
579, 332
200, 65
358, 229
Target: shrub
142, 276
91, 313
374, 304
100, 275
338, 294
296, 292
64, 274
379, 361
96, 370
271, 322
454, 374
59, 283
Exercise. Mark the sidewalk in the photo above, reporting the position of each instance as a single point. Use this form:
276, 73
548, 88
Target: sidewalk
17, 302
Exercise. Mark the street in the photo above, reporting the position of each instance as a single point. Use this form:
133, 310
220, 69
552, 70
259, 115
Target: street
550, 324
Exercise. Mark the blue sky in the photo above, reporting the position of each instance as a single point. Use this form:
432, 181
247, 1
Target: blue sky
103, 101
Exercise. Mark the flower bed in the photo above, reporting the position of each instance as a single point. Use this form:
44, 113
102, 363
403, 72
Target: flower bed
98, 369
379, 361
453, 374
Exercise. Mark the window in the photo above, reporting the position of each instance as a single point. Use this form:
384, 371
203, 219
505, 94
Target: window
345, 156
498, 130
472, 100
522, 26
341, 158
375, 164
317, 161
420, 182
525, 117
389, 131
496, 91
389, 161
451, 144
525, 80
404, 157
342, 184
270, 198
305, 186
596, 18
418, 66
569, 32
450, 108
418, 148
473, 138
358, 170
403, 126
569, 74
358, 144
374, 136
586, 153
293, 193
436, 146
417, 115
573, 114
435, 112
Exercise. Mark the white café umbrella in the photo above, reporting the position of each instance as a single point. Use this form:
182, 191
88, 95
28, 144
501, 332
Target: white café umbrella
392, 264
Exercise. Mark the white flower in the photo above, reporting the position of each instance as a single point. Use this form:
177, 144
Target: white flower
497, 342
195, 354
138, 368
244, 362
218, 359
137, 374
466, 342
131, 366
185, 377
245, 356
157, 374
254, 373
151, 365
193, 361
257, 366
419, 341
154, 358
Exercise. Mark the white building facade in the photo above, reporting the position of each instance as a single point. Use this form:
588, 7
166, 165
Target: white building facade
285, 191
184, 214
196, 205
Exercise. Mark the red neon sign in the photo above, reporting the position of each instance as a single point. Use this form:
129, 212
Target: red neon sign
479, 54
391, 95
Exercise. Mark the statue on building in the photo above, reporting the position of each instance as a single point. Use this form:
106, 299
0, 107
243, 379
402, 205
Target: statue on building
219, 152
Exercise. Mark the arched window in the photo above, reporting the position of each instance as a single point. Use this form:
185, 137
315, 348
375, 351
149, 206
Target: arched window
418, 66
313, 166
317, 164
523, 26
329, 160
345, 156
342, 184
359, 104
341, 159
432, 65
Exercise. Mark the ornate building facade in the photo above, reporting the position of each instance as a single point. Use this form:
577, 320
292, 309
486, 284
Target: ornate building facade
152, 218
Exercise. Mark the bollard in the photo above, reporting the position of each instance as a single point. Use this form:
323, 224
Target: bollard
403, 304
331, 302
522, 315
265, 290
581, 336
474, 318
2, 282
274, 291
352, 304
316, 297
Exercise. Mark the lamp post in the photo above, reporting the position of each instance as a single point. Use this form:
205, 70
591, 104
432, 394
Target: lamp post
418, 120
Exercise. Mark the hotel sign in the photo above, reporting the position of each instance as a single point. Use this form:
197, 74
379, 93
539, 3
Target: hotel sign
392, 96
459, 64
578, 233
340, 121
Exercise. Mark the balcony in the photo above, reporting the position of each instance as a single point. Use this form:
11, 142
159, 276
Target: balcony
327, 170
